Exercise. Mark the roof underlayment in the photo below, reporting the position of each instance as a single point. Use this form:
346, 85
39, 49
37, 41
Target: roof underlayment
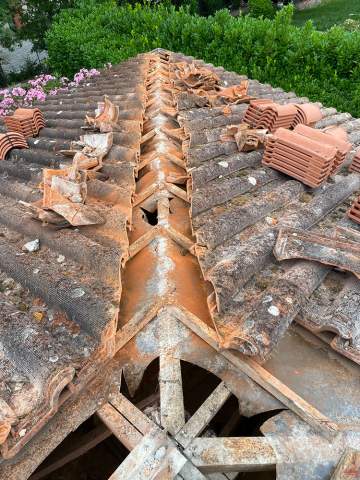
183, 270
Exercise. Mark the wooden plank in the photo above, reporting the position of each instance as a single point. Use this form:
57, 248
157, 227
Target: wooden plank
203, 415
145, 460
262, 377
86, 443
135, 416
222, 476
133, 326
126, 433
231, 454
189, 472
171, 394
172, 464
348, 467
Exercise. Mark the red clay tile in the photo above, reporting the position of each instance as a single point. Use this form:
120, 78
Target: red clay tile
355, 164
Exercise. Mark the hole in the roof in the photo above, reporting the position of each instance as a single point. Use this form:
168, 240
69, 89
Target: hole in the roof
150, 217
91, 452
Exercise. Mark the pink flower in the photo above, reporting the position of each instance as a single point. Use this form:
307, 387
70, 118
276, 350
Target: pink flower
79, 77
41, 80
35, 94
7, 102
18, 91
5, 92
54, 91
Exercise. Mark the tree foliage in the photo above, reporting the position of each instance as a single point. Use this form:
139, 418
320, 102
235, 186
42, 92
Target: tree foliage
261, 8
321, 65
29, 20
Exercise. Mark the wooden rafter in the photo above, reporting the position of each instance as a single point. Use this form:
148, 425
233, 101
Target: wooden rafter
262, 377
231, 454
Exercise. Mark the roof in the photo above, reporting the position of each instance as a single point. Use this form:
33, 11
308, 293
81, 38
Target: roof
60, 308
191, 224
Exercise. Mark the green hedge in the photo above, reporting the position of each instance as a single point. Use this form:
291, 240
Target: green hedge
324, 66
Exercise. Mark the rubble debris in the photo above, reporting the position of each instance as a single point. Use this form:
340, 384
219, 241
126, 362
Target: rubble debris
246, 138
193, 77
235, 94
300, 157
32, 246
202, 83
265, 113
65, 190
106, 116
293, 243
27, 121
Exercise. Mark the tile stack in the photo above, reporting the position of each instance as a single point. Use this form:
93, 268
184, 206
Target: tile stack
27, 121
336, 137
355, 164
11, 140
300, 157
354, 211
254, 111
264, 113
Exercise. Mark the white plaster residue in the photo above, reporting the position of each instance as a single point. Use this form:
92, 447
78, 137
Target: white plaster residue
273, 310
252, 180
267, 299
223, 164
164, 265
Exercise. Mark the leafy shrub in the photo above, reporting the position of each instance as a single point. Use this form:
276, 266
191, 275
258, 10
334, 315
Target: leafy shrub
321, 65
351, 25
261, 8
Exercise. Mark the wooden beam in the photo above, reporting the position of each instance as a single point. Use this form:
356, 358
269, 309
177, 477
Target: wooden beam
348, 467
133, 326
123, 430
189, 472
86, 443
231, 454
203, 415
222, 476
171, 394
135, 416
145, 461
261, 376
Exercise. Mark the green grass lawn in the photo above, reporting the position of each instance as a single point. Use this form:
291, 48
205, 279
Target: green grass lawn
329, 13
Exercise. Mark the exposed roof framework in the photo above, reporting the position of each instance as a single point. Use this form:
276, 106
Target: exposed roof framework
195, 288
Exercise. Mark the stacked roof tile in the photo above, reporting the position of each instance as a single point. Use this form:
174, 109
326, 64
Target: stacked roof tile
11, 140
27, 121
354, 211
335, 137
265, 113
300, 156
355, 164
